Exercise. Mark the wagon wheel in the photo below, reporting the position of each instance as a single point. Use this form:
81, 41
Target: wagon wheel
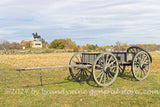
79, 74
105, 69
141, 65
136, 49
121, 69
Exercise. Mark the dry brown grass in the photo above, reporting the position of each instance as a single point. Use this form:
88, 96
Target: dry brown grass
155, 66
36, 60
51, 59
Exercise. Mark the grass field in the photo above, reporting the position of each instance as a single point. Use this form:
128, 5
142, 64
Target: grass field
24, 89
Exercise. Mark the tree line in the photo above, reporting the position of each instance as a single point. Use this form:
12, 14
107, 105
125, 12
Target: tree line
119, 46
63, 44
69, 44
7, 45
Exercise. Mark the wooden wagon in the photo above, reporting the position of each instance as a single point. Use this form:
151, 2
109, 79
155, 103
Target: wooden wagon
105, 67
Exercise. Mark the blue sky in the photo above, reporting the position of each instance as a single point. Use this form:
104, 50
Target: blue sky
101, 22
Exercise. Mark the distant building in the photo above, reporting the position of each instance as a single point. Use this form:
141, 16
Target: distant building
37, 44
23, 47
110, 49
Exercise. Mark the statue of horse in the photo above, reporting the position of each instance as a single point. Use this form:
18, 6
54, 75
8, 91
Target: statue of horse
36, 36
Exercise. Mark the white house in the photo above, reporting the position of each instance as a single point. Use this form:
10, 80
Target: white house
110, 49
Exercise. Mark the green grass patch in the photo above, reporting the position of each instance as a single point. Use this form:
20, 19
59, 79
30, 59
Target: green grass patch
24, 89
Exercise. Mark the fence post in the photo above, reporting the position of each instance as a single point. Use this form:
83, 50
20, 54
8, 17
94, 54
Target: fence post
41, 81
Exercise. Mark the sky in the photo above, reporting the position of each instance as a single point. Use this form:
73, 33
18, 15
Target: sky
102, 22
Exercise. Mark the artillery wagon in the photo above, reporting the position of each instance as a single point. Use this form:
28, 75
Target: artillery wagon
105, 67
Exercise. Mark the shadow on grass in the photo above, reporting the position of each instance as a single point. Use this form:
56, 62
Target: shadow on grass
68, 78
55, 83
128, 76
125, 75
90, 82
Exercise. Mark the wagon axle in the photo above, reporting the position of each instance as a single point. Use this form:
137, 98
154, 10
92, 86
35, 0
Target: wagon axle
83, 67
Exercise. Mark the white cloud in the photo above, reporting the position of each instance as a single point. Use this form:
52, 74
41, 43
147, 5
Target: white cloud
109, 20
7, 32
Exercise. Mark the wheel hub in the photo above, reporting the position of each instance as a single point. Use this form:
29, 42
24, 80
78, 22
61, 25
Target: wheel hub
142, 66
107, 69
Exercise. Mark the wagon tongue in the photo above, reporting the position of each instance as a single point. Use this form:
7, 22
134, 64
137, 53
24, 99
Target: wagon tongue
82, 67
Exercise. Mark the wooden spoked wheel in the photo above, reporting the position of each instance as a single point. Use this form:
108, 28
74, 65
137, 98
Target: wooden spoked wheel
134, 49
141, 65
105, 69
79, 73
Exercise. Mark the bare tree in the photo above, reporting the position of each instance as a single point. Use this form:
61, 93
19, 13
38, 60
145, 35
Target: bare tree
4, 44
118, 43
